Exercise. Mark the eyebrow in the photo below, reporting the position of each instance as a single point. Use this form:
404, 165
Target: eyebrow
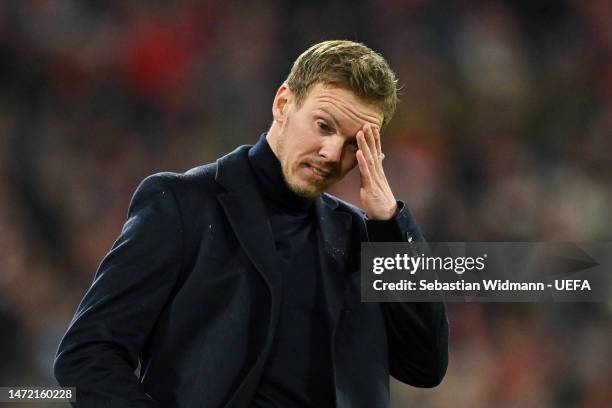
333, 118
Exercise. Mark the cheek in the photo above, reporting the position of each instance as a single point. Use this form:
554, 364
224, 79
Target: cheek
302, 141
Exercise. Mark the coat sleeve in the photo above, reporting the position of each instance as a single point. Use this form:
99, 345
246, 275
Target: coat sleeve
100, 351
417, 332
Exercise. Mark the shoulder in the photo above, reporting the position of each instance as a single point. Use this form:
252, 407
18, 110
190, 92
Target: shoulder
198, 180
202, 183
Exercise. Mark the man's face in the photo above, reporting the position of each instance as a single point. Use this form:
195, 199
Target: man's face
316, 143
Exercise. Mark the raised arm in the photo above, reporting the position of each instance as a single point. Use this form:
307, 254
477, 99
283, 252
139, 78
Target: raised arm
417, 333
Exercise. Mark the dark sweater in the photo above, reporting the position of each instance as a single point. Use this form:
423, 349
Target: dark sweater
298, 372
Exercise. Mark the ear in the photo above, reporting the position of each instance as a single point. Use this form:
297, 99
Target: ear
281, 103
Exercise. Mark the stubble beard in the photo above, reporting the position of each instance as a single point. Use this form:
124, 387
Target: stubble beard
285, 166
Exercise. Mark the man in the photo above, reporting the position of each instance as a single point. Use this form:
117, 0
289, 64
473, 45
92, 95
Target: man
236, 284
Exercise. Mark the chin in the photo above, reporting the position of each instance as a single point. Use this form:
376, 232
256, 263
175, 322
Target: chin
306, 191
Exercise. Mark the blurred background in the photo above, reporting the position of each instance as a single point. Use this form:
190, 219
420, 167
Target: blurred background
504, 133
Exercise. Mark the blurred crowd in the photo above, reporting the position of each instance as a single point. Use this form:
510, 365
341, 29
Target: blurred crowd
504, 133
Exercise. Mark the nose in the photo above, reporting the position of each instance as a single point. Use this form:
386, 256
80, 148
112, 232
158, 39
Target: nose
331, 149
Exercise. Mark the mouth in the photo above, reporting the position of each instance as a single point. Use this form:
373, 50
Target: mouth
320, 173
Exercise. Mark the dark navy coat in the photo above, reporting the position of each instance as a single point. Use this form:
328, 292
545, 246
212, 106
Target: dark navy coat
190, 291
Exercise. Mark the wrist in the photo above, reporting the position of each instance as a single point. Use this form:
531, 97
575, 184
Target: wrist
387, 214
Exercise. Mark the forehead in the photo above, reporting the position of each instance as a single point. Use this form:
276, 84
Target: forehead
344, 106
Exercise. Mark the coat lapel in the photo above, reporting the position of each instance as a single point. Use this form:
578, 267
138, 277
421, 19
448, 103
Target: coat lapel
245, 210
333, 238
247, 216
246, 213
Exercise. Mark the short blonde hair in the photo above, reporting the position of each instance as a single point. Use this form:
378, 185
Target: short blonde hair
349, 65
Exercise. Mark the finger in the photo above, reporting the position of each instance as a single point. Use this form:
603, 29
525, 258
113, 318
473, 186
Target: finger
364, 170
374, 144
379, 154
365, 149
371, 141
378, 142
